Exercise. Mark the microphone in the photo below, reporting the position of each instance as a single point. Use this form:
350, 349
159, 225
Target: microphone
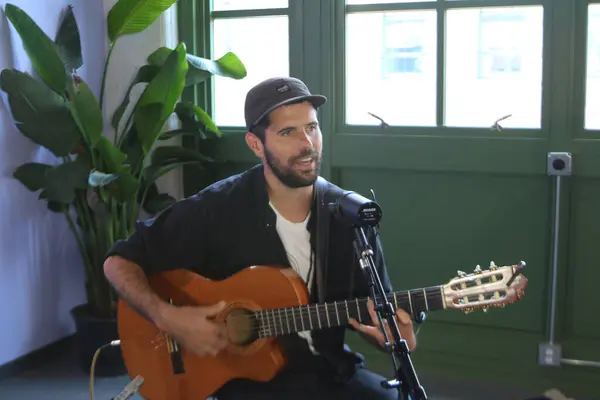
130, 389
356, 210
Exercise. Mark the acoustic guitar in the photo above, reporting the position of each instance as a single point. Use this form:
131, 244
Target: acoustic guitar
264, 303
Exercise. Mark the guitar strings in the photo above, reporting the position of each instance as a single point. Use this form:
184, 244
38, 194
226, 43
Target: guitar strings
290, 319
328, 308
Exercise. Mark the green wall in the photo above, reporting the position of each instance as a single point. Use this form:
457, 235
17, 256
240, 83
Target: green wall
454, 198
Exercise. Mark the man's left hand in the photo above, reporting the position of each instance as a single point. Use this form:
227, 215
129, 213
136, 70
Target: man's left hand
374, 331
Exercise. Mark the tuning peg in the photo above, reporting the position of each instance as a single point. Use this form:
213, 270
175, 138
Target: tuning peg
493, 265
461, 273
518, 271
477, 269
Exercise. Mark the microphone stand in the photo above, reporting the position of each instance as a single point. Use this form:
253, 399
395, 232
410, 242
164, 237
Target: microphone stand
406, 380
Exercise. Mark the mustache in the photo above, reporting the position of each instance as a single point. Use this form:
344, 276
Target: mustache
306, 153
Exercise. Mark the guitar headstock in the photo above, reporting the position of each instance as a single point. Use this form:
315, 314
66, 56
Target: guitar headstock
482, 289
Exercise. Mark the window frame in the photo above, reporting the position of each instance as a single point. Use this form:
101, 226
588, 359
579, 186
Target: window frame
439, 129
317, 28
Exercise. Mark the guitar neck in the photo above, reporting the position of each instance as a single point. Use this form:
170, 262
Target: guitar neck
283, 321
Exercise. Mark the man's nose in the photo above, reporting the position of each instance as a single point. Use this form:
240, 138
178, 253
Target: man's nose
306, 138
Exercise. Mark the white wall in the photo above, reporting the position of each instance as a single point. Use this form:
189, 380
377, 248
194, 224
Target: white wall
41, 277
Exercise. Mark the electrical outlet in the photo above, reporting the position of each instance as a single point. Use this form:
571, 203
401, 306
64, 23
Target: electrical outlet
559, 163
549, 354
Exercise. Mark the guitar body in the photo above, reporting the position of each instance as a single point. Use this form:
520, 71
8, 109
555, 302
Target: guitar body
264, 303
146, 349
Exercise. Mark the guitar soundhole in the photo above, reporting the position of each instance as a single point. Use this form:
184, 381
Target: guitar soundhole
242, 327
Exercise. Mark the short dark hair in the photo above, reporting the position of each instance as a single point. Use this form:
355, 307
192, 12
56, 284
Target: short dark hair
260, 129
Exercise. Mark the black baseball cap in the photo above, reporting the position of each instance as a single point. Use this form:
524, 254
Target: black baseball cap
275, 92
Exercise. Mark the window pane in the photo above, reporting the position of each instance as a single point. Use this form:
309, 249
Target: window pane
226, 5
353, 2
592, 89
265, 53
494, 67
391, 68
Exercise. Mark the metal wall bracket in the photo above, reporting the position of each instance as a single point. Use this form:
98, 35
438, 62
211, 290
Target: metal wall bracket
559, 164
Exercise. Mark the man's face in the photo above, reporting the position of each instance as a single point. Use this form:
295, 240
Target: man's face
292, 148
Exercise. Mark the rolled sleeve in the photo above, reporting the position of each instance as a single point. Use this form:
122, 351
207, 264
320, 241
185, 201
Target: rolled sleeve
177, 238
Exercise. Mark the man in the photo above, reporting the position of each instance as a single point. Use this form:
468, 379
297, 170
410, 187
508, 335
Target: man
264, 216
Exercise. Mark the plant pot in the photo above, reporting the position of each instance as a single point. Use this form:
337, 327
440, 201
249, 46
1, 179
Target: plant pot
92, 333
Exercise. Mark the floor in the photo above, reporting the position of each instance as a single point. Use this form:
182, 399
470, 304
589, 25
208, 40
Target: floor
62, 380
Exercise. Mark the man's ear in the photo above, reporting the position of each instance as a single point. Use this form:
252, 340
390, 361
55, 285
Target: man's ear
255, 144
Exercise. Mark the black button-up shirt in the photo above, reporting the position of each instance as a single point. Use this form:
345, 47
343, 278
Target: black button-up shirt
229, 226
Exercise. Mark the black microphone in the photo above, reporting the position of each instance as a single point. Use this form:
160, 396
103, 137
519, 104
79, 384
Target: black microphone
356, 210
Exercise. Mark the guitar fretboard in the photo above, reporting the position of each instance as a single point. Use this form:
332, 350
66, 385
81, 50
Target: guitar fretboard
283, 321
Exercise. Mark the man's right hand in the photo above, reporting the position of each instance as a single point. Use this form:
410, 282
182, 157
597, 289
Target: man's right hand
193, 328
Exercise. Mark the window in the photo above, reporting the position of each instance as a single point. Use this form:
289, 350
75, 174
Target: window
391, 67
228, 5
592, 89
494, 67
261, 42
402, 44
500, 46
356, 2
486, 65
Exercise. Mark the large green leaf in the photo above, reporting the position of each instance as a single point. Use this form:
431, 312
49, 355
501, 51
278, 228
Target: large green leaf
152, 172
112, 157
123, 183
200, 69
32, 175
86, 112
157, 203
39, 48
133, 16
158, 100
152, 201
62, 181
182, 132
40, 114
144, 75
194, 117
68, 42
125, 187
133, 149
165, 155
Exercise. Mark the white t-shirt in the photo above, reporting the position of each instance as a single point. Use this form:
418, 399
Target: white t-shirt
296, 240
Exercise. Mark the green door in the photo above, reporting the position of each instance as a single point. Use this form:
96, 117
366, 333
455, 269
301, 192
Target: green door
475, 94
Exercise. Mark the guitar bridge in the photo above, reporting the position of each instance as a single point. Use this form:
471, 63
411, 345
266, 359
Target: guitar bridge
175, 353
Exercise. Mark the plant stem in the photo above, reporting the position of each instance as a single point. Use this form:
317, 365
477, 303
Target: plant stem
141, 207
121, 137
113, 217
89, 227
86, 259
111, 47
125, 228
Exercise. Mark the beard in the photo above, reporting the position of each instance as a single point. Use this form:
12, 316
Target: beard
288, 175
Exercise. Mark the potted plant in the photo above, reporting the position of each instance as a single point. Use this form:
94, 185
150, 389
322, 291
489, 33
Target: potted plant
100, 185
